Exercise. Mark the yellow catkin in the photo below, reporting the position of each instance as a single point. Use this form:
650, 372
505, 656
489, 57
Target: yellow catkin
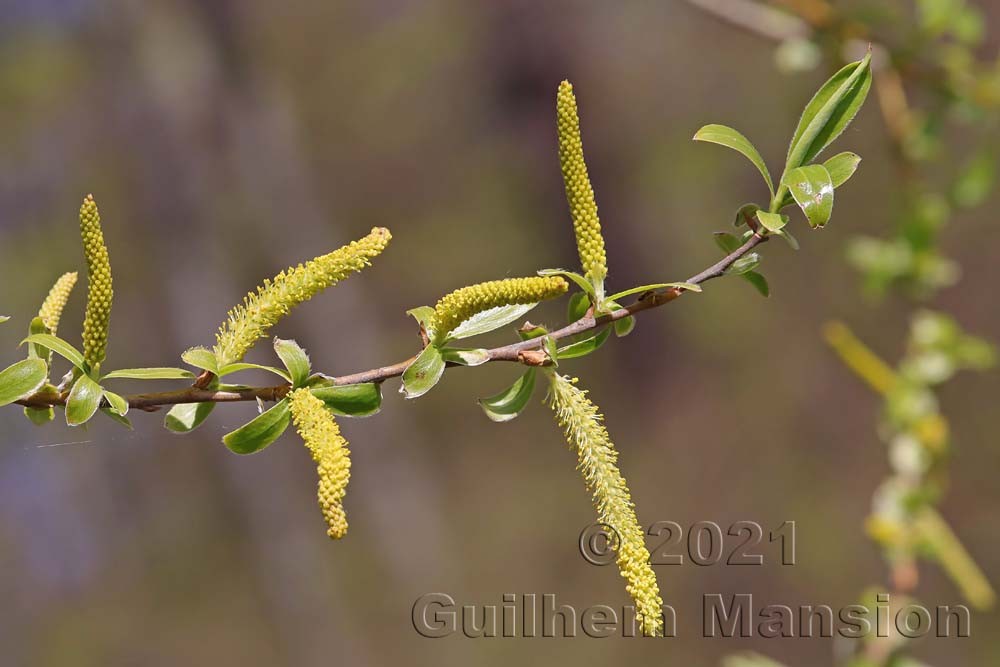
460, 305
329, 450
55, 302
260, 310
579, 192
99, 288
585, 432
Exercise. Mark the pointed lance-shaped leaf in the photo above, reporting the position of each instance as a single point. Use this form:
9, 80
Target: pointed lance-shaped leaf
730, 138
21, 379
510, 402
260, 432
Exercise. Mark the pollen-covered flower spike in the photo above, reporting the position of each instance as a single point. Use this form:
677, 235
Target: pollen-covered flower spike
99, 288
579, 192
55, 302
585, 432
260, 310
460, 305
329, 450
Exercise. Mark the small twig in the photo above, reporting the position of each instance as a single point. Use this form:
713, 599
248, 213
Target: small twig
524, 352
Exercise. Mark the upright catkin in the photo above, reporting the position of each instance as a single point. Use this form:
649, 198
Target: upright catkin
99, 288
579, 192
55, 302
329, 450
260, 310
586, 433
458, 306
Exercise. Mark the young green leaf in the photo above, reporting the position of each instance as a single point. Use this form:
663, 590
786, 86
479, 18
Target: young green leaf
691, 287
842, 166
116, 403
829, 112
354, 400
551, 349
772, 222
527, 331
726, 242
758, 281
812, 189
509, 403
83, 401
40, 416
580, 281
624, 326
424, 315
490, 320
60, 347
465, 357
202, 358
261, 431
730, 138
149, 374
579, 303
584, 347
744, 264
22, 379
115, 417
229, 369
425, 371
37, 326
186, 417
295, 360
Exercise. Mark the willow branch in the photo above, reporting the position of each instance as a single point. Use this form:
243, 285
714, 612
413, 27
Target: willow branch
526, 352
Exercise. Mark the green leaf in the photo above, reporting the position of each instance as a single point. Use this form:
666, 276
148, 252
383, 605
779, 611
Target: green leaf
424, 315
829, 112
84, 399
295, 360
4, 318
787, 235
22, 379
744, 264
726, 242
580, 281
229, 369
60, 347
584, 347
772, 222
489, 320
353, 400
40, 416
758, 281
812, 189
186, 417
37, 326
579, 303
842, 166
730, 138
261, 431
114, 416
149, 374
425, 371
509, 403
527, 331
551, 349
116, 403
624, 326
465, 357
745, 214
202, 358
691, 287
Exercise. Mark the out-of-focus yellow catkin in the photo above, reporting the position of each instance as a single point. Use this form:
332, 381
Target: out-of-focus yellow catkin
579, 192
329, 450
260, 310
458, 306
55, 302
99, 288
598, 462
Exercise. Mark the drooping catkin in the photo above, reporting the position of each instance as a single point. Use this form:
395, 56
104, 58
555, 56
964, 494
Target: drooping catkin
586, 433
55, 302
329, 450
260, 310
458, 306
99, 288
579, 192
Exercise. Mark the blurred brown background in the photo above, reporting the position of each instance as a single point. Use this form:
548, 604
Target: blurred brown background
226, 140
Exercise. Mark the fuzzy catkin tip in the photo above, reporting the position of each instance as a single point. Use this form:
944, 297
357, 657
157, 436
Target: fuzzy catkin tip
55, 302
579, 192
585, 432
329, 450
99, 287
260, 310
458, 306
